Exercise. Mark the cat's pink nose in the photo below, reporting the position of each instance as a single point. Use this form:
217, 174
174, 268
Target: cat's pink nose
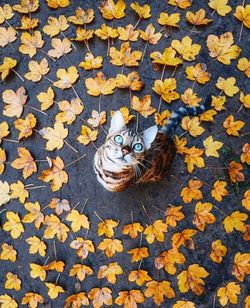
125, 150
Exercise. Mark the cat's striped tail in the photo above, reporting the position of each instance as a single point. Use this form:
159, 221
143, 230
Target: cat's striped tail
177, 116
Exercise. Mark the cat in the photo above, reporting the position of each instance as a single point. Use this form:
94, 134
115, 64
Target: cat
128, 157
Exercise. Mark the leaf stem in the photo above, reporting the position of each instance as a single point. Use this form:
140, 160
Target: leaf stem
135, 26
163, 71
74, 90
17, 74
35, 187
97, 215
10, 140
33, 108
70, 146
73, 162
144, 51
44, 52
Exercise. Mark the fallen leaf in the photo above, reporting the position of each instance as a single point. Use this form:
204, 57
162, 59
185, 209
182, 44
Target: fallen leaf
203, 216
56, 25
220, 6
235, 221
110, 10
55, 136
198, 18
110, 272
19, 191
132, 229
158, 290
25, 126
8, 253
142, 106
78, 221
129, 298
227, 86
82, 17
193, 158
7, 66
125, 56
26, 6
7, 36
15, 102
90, 62
128, 34
13, 224
142, 11
169, 260
100, 85
53, 290
229, 293
46, 98
166, 89
26, 162
110, 246
241, 265
242, 14
138, 253
80, 271
211, 147
32, 299
235, 173
37, 70
36, 245
30, 43
218, 251
219, 191
170, 20
155, 231
35, 214
186, 49
173, 214
198, 73
192, 126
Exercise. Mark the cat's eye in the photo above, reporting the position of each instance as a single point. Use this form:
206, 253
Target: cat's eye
138, 147
118, 139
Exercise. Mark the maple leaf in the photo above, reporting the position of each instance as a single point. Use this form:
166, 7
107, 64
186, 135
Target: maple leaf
174, 214
125, 57
128, 34
241, 265
234, 172
56, 25
138, 253
87, 135
7, 36
69, 111
227, 86
97, 119
55, 136
32, 299
149, 35
218, 102
4, 192
18, 191
28, 23
36, 246
13, 224
25, 161
235, 221
198, 18
212, 146
246, 200
219, 191
106, 32
132, 81
7, 301
82, 17
242, 14
106, 227
30, 43
5, 13
208, 115
66, 77
76, 300
26, 6
162, 118
54, 290
83, 247
59, 205
2, 160
110, 10
170, 20
4, 130
12, 282
229, 293
55, 227
54, 4
169, 260
100, 85
158, 290
182, 4
8, 253
167, 58
198, 73
191, 279
125, 114
110, 272
142, 106
110, 246
244, 66
78, 221
35, 214
37, 270
192, 126
25, 126
192, 191
61, 48
245, 100
245, 156
203, 216
37, 70
142, 11
83, 35
184, 304
132, 229
139, 276
90, 62
222, 48
190, 98
166, 89
181, 238
55, 174
46, 98
192, 158
220, 6
101, 296
155, 231
80, 271
7, 66
129, 298
218, 251
15, 102
232, 127
186, 49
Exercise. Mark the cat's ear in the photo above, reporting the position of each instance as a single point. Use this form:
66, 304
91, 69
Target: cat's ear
148, 135
117, 123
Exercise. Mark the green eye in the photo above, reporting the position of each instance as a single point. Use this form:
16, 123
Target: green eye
138, 147
118, 139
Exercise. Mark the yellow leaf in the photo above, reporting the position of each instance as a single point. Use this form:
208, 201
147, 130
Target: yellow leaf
2, 160
245, 100
208, 116
139, 276
166, 89
218, 251
192, 191
7, 302
36, 246
142, 106
184, 304
211, 147
181, 238
101, 296
241, 265
182, 4
138, 253
54, 290
55, 136
128, 34
4, 130
234, 172
82, 17
54, 4
56, 25
132, 229
244, 66
28, 23
46, 98
174, 214
245, 156
110, 246
37, 70
15, 102
78, 221
169, 260
7, 36
132, 81
32, 299
170, 20
26, 162
235, 221
90, 62
191, 279
13, 225
227, 86
35, 215
246, 200
66, 77
110, 272
162, 118
55, 227
125, 56
106, 32
232, 127
155, 231
222, 48
59, 205
69, 111
87, 135
25, 126
37, 270
125, 113
83, 35
8, 253
186, 49
110, 10
76, 300
80, 271
7, 66
4, 192
198, 73
158, 290
26, 6
83, 247
220, 6
219, 191
203, 216
30, 43
190, 98
242, 14
100, 85
229, 293
97, 118
167, 58
192, 158
61, 48
192, 126
130, 298
198, 18
142, 11
18, 191
5, 13
12, 282
149, 35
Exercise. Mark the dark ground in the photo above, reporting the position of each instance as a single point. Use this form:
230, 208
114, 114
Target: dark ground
118, 206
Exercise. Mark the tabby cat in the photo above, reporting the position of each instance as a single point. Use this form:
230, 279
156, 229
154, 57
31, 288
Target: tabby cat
128, 157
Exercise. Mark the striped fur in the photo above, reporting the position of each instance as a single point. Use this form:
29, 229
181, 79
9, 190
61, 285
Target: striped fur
118, 166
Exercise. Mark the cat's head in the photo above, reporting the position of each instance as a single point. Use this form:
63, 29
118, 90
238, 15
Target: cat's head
127, 146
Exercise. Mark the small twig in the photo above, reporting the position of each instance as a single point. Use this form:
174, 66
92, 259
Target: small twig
245, 134
48, 79
99, 103
57, 278
163, 71
83, 208
224, 214
144, 51
33, 108
108, 46
241, 31
46, 261
144, 209
10, 140
68, 59
135, 26
34, 187
159, 107
54, 247
94, 145
70, 146
97, 215
73, 162
74, 90
11, 26
44, 52
17, 74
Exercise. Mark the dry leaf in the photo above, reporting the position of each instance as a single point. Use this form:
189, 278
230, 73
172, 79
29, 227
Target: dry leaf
13, 224
219, 191
110, 246
218, 251
25, 126
87, 135
142, 106
110, 272
158, 290
125, 56
26, 162
8, 253
166, 89
229, 293
15, 102
130, 298
241, 265
203, 216
46, 98
234, 170
100, 85
198, 18
186, 49
235, 221
111, 10
220, 6
55, 136
30, 43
